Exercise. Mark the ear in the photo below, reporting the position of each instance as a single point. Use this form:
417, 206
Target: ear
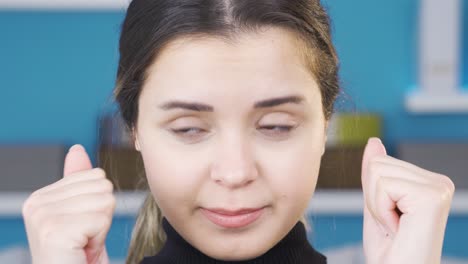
135, 139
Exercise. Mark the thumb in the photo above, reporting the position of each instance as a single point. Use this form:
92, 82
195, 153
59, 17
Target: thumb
76, 160
373, 148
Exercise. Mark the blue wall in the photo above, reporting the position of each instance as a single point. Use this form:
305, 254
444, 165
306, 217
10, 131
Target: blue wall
465, 43
377, 43
57, 71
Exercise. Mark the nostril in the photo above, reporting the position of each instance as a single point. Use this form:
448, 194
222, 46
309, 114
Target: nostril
234, 178
234, 165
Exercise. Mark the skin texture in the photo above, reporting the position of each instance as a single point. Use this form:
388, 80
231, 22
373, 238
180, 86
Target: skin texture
422, 197
230, 160
236, 156
67, 221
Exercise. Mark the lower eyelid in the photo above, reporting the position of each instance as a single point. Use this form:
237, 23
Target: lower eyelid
277, 129
186, 129
281, 126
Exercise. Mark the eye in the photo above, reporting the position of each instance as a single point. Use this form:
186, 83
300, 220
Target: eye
277, 129
188, 131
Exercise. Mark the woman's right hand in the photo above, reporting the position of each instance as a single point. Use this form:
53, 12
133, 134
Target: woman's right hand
68, 221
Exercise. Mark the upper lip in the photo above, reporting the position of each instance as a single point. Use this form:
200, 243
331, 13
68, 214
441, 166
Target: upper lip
233, 211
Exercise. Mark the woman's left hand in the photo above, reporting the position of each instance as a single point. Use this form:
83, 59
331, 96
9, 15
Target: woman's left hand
405, 209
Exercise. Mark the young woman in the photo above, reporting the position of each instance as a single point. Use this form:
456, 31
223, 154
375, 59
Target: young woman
228, 103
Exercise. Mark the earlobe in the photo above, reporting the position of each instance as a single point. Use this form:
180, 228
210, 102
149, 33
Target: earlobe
136, 141
137, 145
325, 138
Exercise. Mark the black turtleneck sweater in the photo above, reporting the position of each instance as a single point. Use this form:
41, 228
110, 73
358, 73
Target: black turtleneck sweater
293, 248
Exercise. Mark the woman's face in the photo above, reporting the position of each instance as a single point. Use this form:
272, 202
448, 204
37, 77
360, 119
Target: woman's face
231, 126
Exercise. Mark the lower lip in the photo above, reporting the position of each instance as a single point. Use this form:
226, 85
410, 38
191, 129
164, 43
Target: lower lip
232, 221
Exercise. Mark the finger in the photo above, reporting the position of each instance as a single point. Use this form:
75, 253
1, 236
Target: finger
374, 148
93, 174
76, 160
94, 202
411, 196
80, 228
95, 249
373, 226
425, 210
79, 188
418, 172
385, 204
383, 169
408, 197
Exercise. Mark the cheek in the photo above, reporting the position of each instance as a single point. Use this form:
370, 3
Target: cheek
294, 169
173, 177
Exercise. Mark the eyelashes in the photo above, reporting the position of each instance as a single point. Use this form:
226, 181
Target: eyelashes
279, 129
187, 131
270, 130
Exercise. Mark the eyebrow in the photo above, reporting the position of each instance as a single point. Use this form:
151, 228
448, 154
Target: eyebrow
200, 107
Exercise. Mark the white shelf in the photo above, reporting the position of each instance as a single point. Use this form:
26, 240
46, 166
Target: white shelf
420, 102
323, 202
127, 203
64, 4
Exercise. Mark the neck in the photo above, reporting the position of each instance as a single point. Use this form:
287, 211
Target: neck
293, 248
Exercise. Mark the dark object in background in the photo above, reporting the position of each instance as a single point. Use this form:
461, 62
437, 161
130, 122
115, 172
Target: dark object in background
113, 132
341, 168
117, 156
450, 159
123, 166
30, 167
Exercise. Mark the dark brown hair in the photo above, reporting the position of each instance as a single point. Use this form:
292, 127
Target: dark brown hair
150, 25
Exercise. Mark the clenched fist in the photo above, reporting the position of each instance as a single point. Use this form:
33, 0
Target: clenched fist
67, 221
405, 209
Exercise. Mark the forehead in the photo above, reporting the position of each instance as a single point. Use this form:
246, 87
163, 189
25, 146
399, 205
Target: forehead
264, 63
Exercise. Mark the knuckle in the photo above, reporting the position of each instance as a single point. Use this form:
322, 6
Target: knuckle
99, 218
444, 185
109, 199
99, 172
109, 204
440, 195
35, 193
27, 207
448, 184
31, 206
37, 215
107, 185
104, 219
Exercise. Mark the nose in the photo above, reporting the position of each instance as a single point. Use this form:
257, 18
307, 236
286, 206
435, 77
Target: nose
234, 165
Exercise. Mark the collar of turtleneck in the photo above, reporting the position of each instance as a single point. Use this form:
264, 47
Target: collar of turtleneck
293, 248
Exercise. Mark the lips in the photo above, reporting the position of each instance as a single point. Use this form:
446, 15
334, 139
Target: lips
233, 212
232, 218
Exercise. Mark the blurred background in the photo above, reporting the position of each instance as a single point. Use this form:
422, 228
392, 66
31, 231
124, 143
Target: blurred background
403, 69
